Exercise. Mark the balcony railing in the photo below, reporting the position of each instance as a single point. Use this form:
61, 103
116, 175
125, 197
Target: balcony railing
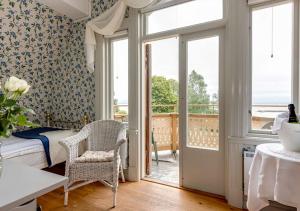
203, 129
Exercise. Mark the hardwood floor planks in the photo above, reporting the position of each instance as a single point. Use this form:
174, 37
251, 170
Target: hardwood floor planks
141, 196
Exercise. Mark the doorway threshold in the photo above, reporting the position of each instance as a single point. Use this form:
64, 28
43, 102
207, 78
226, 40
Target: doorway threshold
170, 184
183, 188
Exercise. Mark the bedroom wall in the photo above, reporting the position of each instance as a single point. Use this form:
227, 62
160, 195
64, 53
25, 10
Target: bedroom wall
76, 94
30, 38
47, 50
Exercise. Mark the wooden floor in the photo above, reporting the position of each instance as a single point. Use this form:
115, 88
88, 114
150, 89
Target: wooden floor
132, 196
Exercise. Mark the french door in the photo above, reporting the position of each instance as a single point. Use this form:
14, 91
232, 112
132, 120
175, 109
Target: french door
201, 119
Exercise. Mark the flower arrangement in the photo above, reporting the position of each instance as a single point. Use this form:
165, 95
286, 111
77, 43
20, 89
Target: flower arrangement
11, 113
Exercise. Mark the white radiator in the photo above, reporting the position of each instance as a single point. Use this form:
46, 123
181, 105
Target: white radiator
248, 158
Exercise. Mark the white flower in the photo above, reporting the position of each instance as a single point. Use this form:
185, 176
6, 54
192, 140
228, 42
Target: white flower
23, 86
11, 84
14, 84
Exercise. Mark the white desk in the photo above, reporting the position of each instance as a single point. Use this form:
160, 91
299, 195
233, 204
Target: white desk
20, 184
274, 176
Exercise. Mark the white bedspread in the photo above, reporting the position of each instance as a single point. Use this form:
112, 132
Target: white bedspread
17, 147
57, 152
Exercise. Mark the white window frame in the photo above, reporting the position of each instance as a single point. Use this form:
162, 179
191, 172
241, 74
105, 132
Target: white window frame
181, 30
122, 35
295, 62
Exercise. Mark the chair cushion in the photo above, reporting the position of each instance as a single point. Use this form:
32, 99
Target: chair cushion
95, 156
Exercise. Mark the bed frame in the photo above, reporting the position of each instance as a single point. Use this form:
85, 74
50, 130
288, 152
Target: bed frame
66, 124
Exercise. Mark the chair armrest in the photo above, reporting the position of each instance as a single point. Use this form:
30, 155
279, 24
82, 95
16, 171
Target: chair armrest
74, 140
119, 143
71, 144
117, 147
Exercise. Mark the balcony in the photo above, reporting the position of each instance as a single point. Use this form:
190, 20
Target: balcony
203, 128
203, 132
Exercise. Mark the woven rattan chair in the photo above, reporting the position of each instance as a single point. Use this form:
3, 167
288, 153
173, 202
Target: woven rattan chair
105, 135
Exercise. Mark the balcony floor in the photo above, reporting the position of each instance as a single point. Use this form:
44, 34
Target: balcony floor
167, 171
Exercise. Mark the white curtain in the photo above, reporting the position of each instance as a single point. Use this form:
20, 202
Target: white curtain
106, 24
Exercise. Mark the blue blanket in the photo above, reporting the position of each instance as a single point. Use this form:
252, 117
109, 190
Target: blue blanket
35, 134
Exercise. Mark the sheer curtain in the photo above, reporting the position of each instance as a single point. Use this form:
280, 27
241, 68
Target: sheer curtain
106, 24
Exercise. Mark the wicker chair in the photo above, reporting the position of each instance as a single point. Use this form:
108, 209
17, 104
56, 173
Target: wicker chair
105, 135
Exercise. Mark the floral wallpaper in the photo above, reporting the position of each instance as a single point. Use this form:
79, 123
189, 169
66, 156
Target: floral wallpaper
76, 94
47, 50
30, 37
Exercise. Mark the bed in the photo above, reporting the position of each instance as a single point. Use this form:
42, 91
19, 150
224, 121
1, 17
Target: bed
31, 151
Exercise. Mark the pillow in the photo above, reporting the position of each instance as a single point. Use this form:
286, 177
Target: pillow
96, 156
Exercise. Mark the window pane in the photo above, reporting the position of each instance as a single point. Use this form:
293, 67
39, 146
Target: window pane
203, 93
272, 33
120, 77
164, 67
186, 14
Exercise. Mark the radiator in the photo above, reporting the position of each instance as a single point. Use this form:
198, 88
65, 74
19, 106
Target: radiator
247, 161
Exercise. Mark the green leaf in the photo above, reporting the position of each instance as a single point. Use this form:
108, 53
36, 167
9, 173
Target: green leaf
9, 103
1, 98
22, 120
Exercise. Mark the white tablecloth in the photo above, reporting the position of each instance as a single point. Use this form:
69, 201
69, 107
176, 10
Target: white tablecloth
274, 175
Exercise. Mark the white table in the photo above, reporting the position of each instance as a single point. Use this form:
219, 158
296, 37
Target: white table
275, 176
20, 184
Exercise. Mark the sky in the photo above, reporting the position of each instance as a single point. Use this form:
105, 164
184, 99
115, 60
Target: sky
271, 76
120, 70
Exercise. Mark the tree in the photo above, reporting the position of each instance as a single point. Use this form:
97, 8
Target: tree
164, 94
198, 98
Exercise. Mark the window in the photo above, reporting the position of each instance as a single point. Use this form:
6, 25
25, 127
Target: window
272, 63
185, 14
119, 67
203, 62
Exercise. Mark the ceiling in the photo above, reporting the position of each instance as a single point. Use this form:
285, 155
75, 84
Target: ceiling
74, 9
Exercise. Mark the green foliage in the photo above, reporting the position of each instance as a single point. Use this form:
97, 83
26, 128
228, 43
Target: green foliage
164, 94
12, 114
121, 112
198, 99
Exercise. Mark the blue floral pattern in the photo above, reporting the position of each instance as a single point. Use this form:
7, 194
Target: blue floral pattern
47, 50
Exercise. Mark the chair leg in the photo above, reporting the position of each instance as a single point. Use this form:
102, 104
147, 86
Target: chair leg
66, 198
122, 173
174, 153
156, 153
114, 197
155, 148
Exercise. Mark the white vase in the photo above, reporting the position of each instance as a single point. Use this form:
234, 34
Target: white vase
289, 135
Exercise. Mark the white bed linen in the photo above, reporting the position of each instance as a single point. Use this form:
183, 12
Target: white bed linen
31, 151
36, 159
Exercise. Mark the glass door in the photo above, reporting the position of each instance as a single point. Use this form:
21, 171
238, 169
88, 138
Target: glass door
201, 112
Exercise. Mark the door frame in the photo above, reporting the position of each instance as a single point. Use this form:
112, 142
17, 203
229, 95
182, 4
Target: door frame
220, 24
183, 103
